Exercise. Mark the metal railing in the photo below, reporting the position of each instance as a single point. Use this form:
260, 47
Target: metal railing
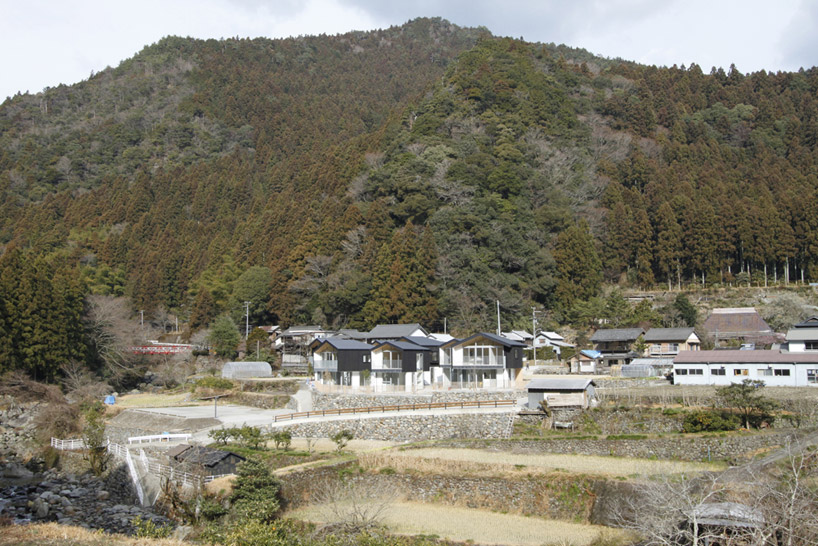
121, 452
68, 445
399, 407
158, 438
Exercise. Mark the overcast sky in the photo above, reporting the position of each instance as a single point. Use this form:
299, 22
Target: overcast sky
48, 42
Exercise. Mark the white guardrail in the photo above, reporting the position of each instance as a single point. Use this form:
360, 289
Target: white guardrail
158, 438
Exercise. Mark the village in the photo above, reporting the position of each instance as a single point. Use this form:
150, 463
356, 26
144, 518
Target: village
490, 424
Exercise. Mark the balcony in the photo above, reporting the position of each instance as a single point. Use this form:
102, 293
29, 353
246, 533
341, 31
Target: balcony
388, 364
487, 361
325, 365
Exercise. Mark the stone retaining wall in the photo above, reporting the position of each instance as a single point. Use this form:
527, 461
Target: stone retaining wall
735, 448
410, 428
558, 497
321, 401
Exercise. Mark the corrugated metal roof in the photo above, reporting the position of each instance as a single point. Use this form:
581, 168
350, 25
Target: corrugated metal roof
590, 353
560, 384
803, 334
650, 362
742, 357
668, 334
616, 334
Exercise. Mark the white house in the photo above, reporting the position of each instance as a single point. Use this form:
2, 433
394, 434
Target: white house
775, 368
551, 339
482, 361
803, 337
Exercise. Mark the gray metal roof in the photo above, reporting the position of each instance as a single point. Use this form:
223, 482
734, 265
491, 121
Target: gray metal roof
560, 384
347, 344
616, 334
394, 331
668, 334
802, 334
811, 322
402, 345
427, 342
650, 362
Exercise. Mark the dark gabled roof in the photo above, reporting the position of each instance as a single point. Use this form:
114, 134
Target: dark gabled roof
402, 345
394, 331
205, 456
427, 342
811, 322
668, 334
560, 384
345, 344
616, 334
505, 342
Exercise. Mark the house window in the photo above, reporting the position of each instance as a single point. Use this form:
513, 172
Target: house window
330, 355
741, 371
673, 347
366, 358
812, 376
766, 371
811, 345
656, 348
681, 371
419, 362
717, 371
781, 372
392, 360
696, 371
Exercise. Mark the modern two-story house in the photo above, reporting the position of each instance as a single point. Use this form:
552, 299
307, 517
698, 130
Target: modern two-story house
345, 362
482, 361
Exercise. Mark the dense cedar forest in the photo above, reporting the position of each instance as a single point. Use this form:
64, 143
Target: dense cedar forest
410, 174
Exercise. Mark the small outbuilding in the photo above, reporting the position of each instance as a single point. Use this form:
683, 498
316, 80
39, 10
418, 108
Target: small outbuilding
246, 370
586, 361
212, 462
562, 393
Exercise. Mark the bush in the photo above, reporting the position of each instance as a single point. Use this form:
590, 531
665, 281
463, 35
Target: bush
255, 493
283, 439
213, 382
148, 529
709, 421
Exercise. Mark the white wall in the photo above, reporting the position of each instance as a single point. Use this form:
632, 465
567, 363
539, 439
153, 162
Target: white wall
797, 377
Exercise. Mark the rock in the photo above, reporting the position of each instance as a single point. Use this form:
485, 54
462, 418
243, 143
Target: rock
16, 472
41, 508
102, 495
79, 492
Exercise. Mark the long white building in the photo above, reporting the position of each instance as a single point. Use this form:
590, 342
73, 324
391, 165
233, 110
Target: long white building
775, 368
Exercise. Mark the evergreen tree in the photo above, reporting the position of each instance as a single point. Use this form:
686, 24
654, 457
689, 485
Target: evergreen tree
579, 270
224, 336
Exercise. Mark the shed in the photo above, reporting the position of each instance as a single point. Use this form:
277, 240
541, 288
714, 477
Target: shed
212, 462
246, 370
562, 393
586, 361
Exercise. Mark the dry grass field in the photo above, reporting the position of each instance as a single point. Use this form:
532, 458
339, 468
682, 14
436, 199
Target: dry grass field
53, 534
475, 461
479, 526
148, 400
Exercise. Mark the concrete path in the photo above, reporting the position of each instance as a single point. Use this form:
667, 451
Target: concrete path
303, 398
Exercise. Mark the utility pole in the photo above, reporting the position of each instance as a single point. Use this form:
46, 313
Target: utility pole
247, 319
534, 333
142, 318
498, 318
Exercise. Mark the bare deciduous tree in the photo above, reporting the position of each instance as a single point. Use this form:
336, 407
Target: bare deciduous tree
355, 506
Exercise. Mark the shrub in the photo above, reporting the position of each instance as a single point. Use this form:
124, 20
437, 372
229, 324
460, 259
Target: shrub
283, 439
148, 529
255, 493
709, 421
342, 439
221, 435
213, 382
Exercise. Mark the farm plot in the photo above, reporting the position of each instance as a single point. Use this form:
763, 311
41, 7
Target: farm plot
468, 461
478, 526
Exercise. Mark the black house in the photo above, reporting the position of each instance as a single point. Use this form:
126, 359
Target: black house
340, 361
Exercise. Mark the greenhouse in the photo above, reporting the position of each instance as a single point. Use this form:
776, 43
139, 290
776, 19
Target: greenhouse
246, 370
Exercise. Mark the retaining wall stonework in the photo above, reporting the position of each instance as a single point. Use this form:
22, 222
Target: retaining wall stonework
553, 496
410, 428
735, 448
321, 401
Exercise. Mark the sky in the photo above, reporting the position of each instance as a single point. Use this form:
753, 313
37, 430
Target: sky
48, 42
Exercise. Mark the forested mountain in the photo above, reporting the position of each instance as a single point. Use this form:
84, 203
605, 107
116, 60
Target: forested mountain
410, 174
